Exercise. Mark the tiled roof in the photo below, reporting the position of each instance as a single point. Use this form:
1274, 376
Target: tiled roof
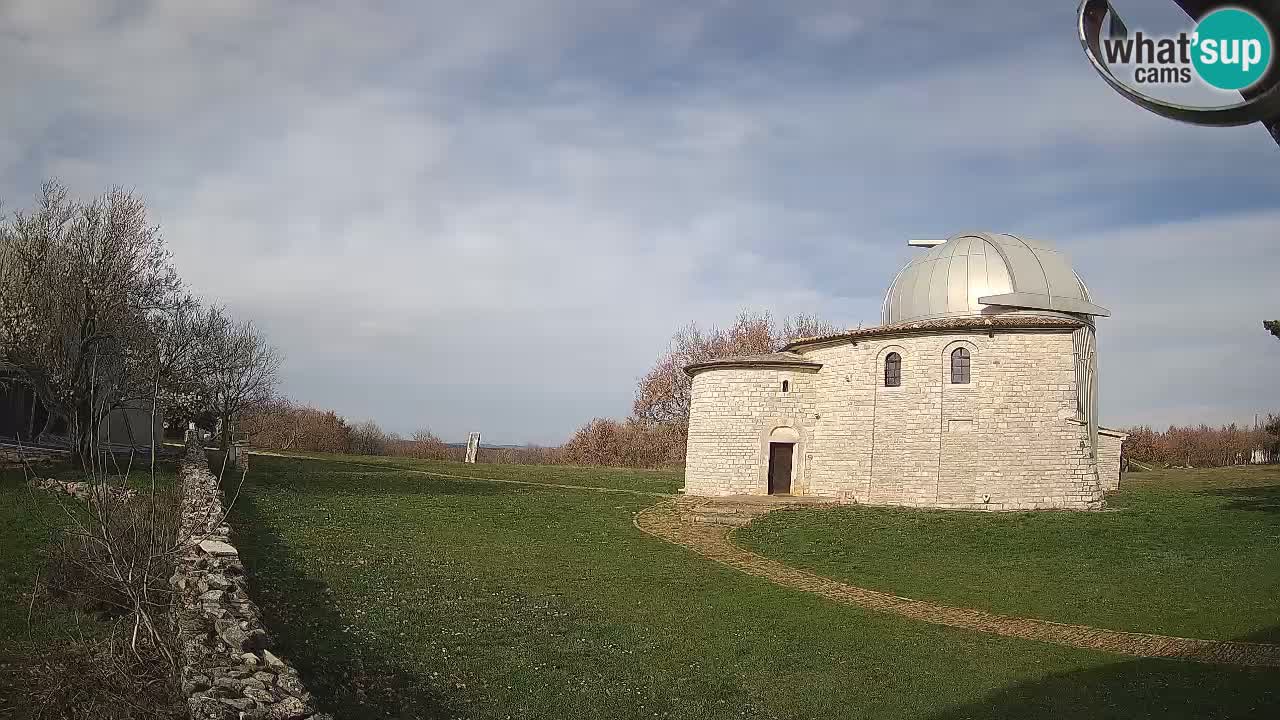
980, 323
777, 359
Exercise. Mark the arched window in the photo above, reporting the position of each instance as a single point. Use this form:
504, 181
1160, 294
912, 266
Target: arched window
960, 366
892, 370
786, 386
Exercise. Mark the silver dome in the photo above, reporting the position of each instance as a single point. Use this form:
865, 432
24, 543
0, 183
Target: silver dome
986, 273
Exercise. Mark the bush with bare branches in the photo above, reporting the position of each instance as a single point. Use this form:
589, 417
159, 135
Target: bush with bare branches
94, 677
281, 425
423, 445
629, 443
368, 438
120, 558
113, 545
242, 372
1204, 446
663, 393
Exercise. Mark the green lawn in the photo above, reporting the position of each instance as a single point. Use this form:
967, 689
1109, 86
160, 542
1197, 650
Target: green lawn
28, 519
25, 519
1192, 553
405, 595
650, 481
49, 654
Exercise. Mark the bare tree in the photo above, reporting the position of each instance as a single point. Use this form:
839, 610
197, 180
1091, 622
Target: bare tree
243, 371
8, 279
368, 438
182, 354
664, 392
81, 280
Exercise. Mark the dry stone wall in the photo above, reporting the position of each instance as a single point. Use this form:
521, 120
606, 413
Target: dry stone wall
1005, 441
228, 671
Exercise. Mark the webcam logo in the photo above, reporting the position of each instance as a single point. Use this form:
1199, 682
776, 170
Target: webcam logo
1235, 49
1231, 48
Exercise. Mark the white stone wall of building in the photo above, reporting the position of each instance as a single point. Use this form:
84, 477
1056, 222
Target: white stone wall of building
732, 413
1005, 441
1109, 445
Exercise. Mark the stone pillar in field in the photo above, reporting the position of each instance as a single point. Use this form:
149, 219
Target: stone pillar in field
473, 446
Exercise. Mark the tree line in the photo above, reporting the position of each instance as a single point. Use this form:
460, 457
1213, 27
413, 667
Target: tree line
653, 436
1204, 446
94, 318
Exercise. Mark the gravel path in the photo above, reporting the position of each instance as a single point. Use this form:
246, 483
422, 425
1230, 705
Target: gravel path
674, 521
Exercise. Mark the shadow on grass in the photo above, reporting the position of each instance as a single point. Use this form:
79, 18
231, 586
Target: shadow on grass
1143, 688
1265, 498
348, 677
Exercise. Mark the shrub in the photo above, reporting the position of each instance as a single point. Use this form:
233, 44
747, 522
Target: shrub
424, 445
117, 556
281, 425
1202, 446
368, 438
630, 443
97, 678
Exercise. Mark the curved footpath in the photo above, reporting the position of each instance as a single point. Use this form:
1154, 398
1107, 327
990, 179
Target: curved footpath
678, 521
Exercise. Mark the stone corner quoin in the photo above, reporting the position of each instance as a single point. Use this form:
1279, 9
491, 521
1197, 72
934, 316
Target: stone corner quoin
228, 672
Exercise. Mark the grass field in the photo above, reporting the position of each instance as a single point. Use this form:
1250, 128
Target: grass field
401, 594
25, 521
1191, 553
650, 481
28, 519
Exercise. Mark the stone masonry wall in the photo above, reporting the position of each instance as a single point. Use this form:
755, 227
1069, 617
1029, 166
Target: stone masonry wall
228, 671
732, 412
1006, 441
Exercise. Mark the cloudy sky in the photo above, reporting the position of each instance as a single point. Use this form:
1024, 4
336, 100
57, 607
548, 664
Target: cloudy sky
492, 215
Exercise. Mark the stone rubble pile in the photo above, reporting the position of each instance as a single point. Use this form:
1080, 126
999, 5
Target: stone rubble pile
228, 671
81, 490
27, 454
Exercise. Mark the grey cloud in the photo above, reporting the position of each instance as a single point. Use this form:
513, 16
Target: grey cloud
494, 219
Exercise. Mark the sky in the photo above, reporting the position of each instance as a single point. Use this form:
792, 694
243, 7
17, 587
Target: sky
493, 215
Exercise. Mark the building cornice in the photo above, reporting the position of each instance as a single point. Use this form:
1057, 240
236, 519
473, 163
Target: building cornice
974, 323
779, 360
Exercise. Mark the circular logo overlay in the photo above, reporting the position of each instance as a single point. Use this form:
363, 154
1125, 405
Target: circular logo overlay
1233, 49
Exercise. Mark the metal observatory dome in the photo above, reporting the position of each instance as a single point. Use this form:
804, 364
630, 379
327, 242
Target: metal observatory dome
984, 273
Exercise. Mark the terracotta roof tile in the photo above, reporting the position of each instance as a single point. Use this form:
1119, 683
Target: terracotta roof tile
777, 359
1020, 321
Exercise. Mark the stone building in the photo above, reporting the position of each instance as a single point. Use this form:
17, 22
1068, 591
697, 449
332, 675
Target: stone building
23, 416
978, 391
